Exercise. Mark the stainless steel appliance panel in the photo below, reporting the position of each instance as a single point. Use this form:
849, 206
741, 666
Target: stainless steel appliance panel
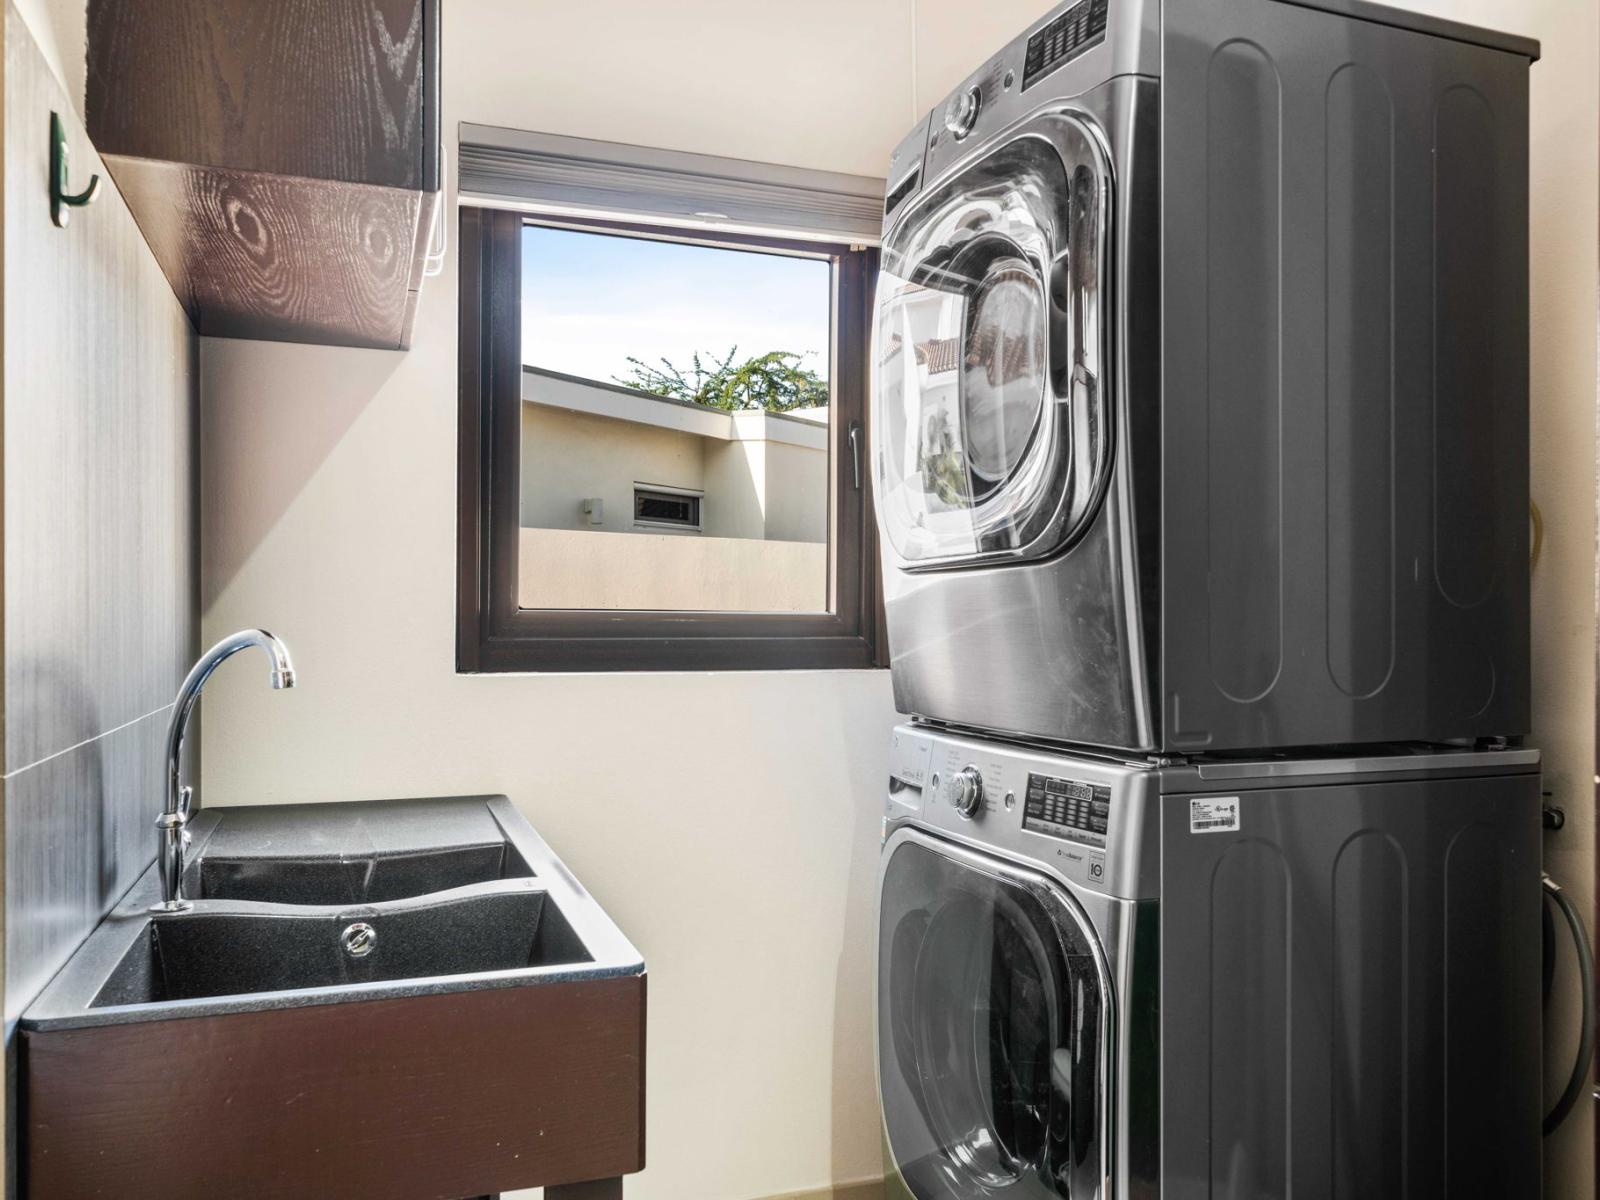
1350, 996
1345, 381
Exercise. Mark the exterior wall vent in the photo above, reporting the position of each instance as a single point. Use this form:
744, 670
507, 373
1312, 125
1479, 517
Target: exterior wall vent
666, 508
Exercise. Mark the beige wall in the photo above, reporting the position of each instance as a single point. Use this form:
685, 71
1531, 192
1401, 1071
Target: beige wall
736, 474
796, 493
58, 27
737, 842
571, 568
755, 487
568, 457
741, 861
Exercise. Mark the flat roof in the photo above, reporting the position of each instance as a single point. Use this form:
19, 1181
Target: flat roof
575, 393
623, 389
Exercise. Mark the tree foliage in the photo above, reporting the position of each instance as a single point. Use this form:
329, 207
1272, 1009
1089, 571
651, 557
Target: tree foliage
777, 381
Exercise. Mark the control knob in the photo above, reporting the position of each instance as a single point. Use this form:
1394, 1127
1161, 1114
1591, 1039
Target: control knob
966, 791
962, 114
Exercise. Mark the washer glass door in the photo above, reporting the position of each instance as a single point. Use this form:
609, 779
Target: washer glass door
991, 1030
990, 414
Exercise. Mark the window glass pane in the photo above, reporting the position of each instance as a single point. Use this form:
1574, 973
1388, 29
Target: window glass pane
676, 403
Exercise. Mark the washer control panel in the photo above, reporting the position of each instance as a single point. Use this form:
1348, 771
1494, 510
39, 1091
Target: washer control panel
1067, 808
1088, 820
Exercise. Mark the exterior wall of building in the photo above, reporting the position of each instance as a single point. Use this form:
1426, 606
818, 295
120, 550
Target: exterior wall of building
796, 492
569, 457
763, 476
567, 568
736, 488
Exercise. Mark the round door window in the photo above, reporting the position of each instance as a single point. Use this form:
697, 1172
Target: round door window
983, 1029
1003, 371
989, 1033
991, 429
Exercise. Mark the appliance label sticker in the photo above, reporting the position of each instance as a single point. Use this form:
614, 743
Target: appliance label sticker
1220, 814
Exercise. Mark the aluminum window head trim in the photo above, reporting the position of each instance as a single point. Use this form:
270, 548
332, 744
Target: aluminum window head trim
584, 177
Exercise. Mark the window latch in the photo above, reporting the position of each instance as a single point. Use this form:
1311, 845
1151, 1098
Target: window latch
855, 451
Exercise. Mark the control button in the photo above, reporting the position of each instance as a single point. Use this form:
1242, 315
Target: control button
962, 114
1011, 801
966, 791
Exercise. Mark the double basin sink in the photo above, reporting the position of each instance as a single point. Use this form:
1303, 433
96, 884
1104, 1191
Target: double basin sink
385, 919
322, 903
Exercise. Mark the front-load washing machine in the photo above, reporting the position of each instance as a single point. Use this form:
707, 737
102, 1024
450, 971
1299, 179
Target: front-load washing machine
1200, 403
1259, 978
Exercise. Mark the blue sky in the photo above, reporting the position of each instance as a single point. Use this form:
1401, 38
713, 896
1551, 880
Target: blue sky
590, 300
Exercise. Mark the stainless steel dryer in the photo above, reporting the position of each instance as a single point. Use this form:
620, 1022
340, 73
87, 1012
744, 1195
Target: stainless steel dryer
1200, 402
1262, 977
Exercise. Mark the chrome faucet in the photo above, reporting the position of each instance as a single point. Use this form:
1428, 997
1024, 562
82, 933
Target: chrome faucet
171, 824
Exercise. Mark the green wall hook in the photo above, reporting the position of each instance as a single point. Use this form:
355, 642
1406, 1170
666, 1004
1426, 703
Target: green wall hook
60, 198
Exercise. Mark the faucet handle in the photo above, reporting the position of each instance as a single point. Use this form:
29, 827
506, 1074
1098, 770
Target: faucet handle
185, 801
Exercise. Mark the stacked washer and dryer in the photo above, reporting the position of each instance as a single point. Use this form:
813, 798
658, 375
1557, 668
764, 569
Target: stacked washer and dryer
1211, 860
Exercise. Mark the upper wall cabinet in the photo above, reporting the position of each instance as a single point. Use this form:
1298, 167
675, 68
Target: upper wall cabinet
281, 159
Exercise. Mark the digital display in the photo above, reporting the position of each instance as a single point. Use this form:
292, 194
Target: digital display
1069, 35
1067, 808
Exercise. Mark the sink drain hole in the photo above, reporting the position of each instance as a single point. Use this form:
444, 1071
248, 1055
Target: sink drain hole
359, 939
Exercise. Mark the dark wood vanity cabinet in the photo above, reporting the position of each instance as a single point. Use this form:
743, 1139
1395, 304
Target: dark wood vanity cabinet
282, 160
393, 1099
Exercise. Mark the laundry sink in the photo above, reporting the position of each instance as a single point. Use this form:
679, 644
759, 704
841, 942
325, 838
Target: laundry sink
227, 949
415, 997
358, 854
344, 880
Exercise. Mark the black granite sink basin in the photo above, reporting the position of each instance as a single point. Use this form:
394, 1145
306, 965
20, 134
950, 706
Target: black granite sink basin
454, 893
228, 950
357, 854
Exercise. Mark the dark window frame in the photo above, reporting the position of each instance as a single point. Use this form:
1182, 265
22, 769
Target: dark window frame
495, 634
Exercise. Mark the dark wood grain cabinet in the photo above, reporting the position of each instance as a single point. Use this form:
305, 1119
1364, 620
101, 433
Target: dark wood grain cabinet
283, 160
453, 1094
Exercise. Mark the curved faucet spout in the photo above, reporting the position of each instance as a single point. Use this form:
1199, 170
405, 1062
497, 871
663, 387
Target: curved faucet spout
174, 838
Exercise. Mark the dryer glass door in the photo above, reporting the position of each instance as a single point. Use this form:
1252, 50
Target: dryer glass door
992, 1037
989, 398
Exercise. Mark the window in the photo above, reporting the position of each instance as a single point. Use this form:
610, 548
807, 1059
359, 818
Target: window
662, 449
704, 368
